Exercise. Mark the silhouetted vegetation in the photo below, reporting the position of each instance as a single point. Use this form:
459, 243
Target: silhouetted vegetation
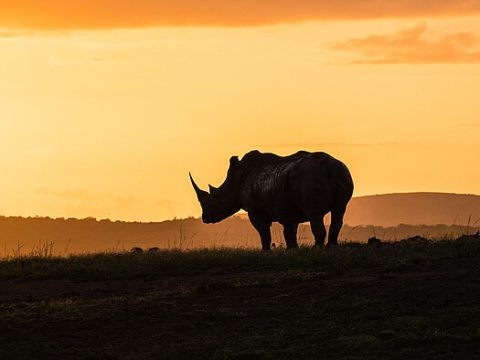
455, 214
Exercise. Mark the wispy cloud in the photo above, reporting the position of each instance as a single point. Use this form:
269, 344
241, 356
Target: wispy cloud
9, 34
80, 195
334, 144
469, 125
411, 46
94, 14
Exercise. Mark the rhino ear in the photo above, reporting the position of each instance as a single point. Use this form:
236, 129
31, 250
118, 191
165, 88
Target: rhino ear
234, 160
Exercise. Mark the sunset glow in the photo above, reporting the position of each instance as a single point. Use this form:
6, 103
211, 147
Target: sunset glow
105, 106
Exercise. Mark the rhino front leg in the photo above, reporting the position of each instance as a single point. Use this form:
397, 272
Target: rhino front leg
290, 234
263, 227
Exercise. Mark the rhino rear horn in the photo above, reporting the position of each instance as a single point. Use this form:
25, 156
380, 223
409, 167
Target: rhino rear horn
213, 189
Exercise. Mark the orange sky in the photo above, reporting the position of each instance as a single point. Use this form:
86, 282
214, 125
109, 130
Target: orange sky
75, 14
105, 108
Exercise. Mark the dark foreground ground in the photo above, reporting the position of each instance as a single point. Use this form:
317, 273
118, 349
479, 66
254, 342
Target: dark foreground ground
410, 300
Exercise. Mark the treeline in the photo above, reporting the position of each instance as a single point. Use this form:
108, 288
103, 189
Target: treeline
62, 236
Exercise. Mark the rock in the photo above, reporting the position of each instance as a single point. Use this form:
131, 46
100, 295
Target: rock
374, 241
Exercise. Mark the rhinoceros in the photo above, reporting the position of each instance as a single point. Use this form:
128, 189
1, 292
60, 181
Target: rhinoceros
290, 190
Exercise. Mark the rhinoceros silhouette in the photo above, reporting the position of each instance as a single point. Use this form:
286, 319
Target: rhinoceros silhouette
290, 190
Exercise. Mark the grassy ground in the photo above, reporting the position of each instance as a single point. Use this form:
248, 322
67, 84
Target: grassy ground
418, 300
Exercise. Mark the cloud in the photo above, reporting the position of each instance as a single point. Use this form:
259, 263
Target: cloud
411, 46
94, 14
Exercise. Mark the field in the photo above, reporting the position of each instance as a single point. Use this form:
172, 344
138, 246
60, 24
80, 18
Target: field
403, 300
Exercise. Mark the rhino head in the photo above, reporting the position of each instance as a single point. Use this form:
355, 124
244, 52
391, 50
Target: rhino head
222, 202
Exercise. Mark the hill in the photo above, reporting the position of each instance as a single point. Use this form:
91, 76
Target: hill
414, 209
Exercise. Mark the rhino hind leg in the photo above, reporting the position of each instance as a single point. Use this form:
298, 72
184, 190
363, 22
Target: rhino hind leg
290, 234
335, 226
318, 230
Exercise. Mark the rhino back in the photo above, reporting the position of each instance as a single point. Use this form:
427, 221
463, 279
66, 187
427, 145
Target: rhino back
291, 187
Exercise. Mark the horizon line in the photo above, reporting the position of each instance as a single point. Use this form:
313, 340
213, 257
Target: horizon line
241, 212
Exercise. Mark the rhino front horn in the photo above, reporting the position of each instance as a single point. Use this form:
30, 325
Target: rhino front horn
201, 194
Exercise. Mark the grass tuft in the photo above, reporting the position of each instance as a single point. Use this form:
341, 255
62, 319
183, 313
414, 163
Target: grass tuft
122, 265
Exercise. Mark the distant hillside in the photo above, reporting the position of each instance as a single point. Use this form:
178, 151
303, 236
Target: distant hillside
413, 208
367, 216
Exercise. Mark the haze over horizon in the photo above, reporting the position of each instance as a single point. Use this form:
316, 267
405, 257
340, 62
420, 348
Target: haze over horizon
105, 106
391, 209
